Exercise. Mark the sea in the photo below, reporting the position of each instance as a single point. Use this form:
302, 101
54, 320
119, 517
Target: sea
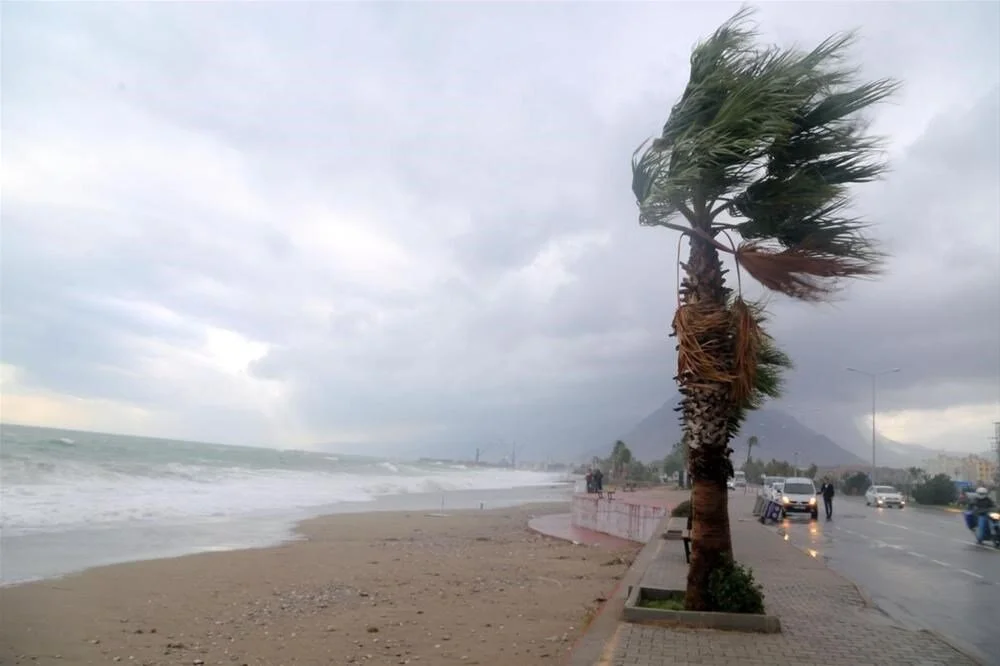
73, 500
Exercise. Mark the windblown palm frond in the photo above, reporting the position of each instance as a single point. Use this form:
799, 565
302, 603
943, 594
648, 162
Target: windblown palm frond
773, 138
772, 363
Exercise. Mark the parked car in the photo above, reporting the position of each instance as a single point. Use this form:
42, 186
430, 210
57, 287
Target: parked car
798, 495
767, 484
884, 496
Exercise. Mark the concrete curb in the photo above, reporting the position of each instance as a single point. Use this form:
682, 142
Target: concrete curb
633, 612
597, 643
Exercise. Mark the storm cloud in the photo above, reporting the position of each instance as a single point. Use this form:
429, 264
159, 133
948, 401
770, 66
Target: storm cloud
393, 227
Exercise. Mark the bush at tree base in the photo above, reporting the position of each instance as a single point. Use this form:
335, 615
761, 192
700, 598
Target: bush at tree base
682, 510
938, 491
732, 589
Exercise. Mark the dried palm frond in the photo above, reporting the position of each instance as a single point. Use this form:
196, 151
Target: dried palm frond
801, 272
702, 336
768, 382
747, 343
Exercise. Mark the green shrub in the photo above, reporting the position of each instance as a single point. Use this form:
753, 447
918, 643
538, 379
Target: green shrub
732, 589
682, 510
936, 491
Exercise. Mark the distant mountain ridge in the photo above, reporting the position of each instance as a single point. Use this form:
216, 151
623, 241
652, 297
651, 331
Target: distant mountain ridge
841, 428
780, 436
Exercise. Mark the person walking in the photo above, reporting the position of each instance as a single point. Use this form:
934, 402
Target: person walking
827, 491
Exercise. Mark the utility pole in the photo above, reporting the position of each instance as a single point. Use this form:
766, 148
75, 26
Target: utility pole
996, 445
477, 455
513, 456
874, 377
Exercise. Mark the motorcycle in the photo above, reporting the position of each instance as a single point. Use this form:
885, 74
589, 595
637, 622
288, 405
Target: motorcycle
985, 526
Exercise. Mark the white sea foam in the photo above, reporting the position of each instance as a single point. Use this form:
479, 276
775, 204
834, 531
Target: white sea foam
73, 500
68, 496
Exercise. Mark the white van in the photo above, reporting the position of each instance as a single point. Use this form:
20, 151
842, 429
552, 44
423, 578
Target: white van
798, 495
740, 479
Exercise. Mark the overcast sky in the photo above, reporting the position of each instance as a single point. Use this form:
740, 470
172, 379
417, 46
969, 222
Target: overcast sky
389, 225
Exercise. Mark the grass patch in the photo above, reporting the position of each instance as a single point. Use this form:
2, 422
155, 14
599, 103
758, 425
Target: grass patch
674, 603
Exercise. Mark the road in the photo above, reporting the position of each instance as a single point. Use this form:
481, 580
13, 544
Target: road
921, 566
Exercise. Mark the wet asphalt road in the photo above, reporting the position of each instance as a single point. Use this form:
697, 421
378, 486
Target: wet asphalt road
920, 566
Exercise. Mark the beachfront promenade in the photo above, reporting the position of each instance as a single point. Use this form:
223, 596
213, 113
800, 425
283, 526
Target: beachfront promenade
826, 619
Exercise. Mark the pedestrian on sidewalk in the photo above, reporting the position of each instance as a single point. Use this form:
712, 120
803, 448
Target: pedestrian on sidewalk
827, 491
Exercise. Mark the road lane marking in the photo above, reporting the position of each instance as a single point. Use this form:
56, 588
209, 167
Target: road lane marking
882, 544
970, 573
911, 529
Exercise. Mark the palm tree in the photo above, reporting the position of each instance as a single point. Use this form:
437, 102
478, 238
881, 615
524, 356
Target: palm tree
764, 143
621, 457
751, 442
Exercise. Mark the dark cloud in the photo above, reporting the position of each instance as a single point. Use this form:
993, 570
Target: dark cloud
412, 225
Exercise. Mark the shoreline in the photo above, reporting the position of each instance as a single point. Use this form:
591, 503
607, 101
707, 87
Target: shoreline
30, 555
463, 587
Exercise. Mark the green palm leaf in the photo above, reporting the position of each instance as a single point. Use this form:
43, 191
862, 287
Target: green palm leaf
773, 138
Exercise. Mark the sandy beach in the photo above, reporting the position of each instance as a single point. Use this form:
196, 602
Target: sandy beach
474, 587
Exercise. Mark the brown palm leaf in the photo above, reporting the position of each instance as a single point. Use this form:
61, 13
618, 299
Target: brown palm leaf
702, 332
748, 339
801, 272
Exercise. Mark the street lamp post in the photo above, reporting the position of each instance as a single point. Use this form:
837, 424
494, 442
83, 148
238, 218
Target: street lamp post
874, 377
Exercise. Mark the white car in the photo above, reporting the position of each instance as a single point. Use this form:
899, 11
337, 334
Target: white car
798, 495
884, 496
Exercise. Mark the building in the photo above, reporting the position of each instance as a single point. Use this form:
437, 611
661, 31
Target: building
945, 464
981, 470
974, 469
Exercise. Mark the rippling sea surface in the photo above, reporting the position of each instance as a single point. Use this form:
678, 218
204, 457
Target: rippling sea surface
70, 500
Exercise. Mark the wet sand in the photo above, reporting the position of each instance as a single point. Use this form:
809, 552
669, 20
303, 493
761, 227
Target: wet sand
474, 587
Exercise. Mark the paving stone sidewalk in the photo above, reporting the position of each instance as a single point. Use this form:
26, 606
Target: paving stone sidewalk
825, 618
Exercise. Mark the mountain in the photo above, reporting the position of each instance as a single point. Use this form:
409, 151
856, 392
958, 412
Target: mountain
841, 427
780, 436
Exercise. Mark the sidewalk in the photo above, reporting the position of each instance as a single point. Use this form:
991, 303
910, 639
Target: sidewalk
825, 618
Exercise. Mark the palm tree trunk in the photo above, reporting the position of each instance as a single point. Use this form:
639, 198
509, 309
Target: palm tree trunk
707, 406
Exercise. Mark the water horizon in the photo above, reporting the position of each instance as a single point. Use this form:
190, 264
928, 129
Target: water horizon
71, 500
